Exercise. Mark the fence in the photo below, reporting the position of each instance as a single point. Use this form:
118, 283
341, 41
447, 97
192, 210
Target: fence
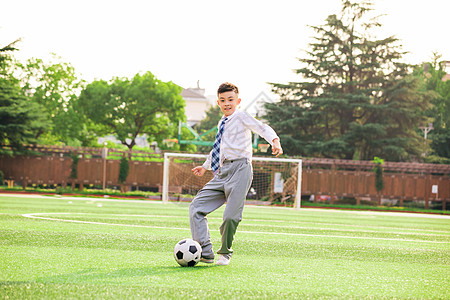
402, 181
53, 165
333, 178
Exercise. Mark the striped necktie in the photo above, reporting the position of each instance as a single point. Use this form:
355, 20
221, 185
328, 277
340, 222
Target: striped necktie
215, 156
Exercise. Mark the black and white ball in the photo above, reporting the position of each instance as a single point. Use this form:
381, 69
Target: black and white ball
187, 252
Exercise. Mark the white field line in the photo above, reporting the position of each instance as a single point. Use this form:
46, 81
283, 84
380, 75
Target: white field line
34, 216
345, 225
38, 216
356, 212
351, 230
290, 226
64, 198
344, 237
290, 222
359, 212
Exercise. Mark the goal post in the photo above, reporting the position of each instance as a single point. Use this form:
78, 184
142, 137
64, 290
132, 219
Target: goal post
273, 178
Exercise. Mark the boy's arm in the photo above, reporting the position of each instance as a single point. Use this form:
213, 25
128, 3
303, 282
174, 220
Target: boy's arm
207, 164
263, 130
200, 170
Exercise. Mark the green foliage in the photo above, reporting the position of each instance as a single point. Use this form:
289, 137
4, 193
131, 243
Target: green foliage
21, 121
379, 183
127, 108
434, 159
357, 99
55, 86
2, 177
5, 59
124, 168
432, 75
211, 120
440, 142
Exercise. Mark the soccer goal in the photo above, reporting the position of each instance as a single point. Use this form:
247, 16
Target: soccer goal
274, 179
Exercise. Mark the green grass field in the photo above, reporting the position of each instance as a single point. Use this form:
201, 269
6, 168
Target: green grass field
82, 248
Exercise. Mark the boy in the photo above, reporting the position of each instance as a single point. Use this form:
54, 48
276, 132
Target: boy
230, 160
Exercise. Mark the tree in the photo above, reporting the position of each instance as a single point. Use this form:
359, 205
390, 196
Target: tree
21, 121
213, 115
211, 120
379, 183
55, 86
128, 108
356, 100
124, 169
434, 79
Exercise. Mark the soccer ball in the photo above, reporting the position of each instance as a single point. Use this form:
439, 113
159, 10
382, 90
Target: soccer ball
187, 253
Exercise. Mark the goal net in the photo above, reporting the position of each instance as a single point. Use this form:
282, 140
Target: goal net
274, 179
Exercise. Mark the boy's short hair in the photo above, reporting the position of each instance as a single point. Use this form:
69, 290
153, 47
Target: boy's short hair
227, 87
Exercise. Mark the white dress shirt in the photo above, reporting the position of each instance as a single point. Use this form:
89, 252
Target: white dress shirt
237, 137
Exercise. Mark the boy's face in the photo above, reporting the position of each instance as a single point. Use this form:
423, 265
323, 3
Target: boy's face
228, 102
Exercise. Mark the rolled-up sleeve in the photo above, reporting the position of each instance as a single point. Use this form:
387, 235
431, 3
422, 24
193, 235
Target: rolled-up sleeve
259, 127
207, 163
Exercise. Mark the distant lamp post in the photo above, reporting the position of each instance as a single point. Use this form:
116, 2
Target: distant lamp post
426, 129
104, 155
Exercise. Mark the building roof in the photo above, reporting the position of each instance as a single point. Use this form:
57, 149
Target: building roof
194, 94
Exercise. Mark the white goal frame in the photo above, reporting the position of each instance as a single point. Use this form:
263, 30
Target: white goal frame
167, 155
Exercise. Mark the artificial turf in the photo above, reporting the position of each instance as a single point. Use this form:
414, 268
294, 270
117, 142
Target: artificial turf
60, 248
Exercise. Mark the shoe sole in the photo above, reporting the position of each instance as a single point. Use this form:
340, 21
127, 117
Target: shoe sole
222, 262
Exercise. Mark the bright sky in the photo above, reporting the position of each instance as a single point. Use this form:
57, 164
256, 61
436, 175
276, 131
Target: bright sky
245, 42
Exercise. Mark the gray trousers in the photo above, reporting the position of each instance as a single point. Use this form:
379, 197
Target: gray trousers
230, 185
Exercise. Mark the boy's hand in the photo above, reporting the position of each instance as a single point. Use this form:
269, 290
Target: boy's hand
198, 171
276, 148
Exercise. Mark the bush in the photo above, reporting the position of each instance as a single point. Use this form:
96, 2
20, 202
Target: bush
379, 184
2, 177
74, 167
124, 168
60, 190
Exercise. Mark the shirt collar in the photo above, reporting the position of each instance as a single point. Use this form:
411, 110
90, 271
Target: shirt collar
230, 116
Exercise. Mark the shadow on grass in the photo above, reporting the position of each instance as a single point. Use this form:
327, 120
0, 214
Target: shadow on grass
94, 275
